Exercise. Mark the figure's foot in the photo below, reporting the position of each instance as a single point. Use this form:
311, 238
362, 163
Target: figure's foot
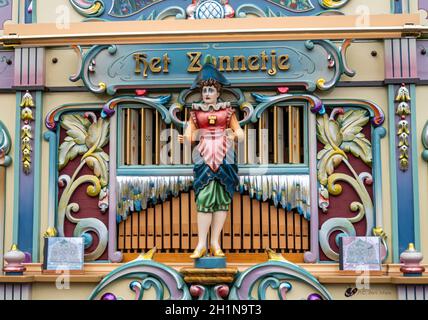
198, 253
217, 252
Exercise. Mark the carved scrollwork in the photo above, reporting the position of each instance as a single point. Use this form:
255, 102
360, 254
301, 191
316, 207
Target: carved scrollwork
84, 138
340, 137
145, 274
200, 9
89, 8
5, 145
280, 276
333, 4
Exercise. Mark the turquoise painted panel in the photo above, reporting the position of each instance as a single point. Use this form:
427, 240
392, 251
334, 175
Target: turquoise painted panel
310, 64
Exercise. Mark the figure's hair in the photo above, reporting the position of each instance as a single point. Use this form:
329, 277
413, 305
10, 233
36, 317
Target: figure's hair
211, 82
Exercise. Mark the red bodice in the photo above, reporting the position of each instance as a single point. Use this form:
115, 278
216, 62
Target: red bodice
213, 142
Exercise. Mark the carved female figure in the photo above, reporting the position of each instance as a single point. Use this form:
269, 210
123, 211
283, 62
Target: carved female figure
215, 125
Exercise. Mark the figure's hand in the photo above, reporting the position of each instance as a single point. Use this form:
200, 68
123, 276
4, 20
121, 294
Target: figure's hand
180, 138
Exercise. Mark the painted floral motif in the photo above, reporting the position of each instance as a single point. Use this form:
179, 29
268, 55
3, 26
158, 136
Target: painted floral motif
200, 9
210, 9
340, 137
129, 7
88, 8
84, 138
295, 5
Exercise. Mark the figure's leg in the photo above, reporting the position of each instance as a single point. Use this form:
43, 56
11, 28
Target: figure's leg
204, 223
217, 225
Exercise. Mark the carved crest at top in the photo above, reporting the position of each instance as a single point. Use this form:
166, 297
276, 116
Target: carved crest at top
202, 9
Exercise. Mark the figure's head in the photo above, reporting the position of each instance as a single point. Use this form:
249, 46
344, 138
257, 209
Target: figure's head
210, 91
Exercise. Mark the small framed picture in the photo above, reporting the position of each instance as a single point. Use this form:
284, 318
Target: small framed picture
61, 253
360, 254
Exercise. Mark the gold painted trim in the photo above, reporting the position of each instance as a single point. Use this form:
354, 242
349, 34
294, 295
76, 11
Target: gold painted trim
157, 145
275, 134
128, 137
325, 272
249, 29
143, 136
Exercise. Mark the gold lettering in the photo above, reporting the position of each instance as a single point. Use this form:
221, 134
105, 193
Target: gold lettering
221, 61
282, 62
155, 65
236, 60
272, 70
137, 63
253, 63
195, 63
265, 58
141, 58
166, 62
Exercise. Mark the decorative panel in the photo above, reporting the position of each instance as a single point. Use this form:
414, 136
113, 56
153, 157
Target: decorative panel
83, 163
202, 9
345, 175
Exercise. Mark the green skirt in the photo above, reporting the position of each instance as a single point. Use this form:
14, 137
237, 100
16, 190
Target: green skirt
213, 198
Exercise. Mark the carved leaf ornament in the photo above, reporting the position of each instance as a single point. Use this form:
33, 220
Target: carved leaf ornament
85, 138
342, 136
339, 137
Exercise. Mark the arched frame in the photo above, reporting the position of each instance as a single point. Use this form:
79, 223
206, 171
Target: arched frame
313, 103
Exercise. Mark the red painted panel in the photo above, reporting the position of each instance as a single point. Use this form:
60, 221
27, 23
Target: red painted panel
88, 205
340, 205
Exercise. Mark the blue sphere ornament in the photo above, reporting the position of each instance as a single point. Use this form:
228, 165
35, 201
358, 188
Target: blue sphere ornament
209, 9
87, 240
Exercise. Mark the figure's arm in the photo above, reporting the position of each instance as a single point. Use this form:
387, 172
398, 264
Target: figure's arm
188, 132
234, 125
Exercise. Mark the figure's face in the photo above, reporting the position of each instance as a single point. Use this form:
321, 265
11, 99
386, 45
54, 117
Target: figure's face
210, 94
